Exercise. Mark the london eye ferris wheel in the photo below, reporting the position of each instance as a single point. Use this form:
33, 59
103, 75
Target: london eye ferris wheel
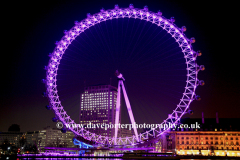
164, 34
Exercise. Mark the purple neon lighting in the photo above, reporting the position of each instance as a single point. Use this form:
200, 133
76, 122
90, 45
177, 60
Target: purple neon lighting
131, 12
120, 83
117, 111
129, 109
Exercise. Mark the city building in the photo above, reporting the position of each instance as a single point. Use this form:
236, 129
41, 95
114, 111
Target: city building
219, 137
50, 137
98, 106
12, 137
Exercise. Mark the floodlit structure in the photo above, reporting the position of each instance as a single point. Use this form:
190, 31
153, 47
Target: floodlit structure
121, 85
144, 14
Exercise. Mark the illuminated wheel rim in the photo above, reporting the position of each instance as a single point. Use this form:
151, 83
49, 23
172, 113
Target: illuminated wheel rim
131, 12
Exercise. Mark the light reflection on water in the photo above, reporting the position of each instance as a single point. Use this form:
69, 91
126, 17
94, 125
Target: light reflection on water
208, 159
68, 159
98, 159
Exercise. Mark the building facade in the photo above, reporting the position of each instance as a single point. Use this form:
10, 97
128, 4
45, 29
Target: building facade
219, 137
98, 106
12, 137
50, 137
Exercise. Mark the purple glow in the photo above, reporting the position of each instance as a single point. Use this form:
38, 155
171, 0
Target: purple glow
162, 22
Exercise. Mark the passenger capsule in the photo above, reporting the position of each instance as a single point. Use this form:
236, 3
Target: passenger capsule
172, 19
88, 15
75, 22
201, 83
198, 98
192, 40
65, 31
43, 81
131, 6
159, 13
145, 8
102, 10
190, 112
44, 94
183, 29
199, 53
116, 6
202, 68
47, 107
54, 119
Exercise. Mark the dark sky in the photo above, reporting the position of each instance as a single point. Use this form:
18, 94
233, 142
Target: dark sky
30, 29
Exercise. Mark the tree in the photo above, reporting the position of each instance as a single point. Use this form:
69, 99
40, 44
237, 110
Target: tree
14, 128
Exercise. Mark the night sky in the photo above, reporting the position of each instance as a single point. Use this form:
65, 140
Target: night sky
30, 29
